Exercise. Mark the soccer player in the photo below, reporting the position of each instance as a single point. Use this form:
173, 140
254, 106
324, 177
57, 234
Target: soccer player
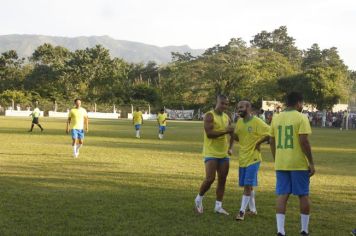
218, 141
251, 132
162, 123
35, 118
77, 119
293, 160
137, 121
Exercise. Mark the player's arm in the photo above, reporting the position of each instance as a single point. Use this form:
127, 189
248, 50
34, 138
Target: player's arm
306, 148
263, 130
232, 139
86, 122
259, 142
209, 127
68, 124
272, 144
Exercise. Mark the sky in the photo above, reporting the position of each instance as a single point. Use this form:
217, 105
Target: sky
197, 23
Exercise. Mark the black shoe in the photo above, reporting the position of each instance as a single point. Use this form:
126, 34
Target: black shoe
304, 233
279, 234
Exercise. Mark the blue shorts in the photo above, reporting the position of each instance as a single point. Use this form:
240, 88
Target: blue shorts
248, 175
220, 160
295, 182
78, 134
162, 128
138, 126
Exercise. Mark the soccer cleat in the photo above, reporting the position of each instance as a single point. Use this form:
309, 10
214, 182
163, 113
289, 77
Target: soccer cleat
304, 233
240, 216
280, 234
199, 207
221, 210
251, 213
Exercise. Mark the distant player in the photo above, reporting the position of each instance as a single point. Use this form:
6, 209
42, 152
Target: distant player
77, 119
218, 141
293, 160
251, 132
162, 123
35, 118
137, 121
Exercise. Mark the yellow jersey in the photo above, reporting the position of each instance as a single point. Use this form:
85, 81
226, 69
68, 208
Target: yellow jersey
286, 128
217, 147
137, 117
249, 133
162, 119
77, 117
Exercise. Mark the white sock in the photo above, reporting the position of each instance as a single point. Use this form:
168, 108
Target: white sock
244, 202
218, 204
280, 223
199, 198
75, 149
252, 202
137, 133
304, 219
78, 147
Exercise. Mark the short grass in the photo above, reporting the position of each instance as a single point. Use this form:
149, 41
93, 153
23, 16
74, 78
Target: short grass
124, 186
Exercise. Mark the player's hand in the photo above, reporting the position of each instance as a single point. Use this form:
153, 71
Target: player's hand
230, 151
67, 131
87, 130
230, 129
258, 147
311, 170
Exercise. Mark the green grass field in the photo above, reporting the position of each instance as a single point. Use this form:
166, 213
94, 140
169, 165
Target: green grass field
124, 186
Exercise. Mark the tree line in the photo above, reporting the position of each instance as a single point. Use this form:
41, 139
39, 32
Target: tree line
268, 68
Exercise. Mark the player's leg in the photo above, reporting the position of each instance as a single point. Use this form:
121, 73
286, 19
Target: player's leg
248, 179
253, 174
211, 165
283, 190
39, 125
80, 140
161, 131
32, 125
223, 171
74, 133
137, 128
300, 183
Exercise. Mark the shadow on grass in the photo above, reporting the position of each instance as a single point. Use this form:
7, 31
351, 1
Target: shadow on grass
79, 206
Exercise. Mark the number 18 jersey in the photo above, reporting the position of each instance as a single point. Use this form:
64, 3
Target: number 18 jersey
286, 128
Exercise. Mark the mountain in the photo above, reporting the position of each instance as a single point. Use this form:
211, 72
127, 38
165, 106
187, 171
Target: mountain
128, 50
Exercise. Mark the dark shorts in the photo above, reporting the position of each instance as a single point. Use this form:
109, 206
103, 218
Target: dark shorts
138, 126
220, 160
35, 120
248, 175
294, 182
162, 128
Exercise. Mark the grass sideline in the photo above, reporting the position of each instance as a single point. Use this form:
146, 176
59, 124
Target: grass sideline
124, 186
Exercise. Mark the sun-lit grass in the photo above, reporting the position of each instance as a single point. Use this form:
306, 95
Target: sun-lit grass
124, 186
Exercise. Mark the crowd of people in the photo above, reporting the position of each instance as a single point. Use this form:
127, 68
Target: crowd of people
342, 119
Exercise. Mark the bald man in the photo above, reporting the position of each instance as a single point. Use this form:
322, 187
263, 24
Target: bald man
250, 132
218, 141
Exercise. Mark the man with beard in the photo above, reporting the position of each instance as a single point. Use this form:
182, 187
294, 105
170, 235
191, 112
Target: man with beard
293, 160
250, 132
218, 141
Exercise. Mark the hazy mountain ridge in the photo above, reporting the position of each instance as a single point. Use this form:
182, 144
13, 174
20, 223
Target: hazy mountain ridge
128, 50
